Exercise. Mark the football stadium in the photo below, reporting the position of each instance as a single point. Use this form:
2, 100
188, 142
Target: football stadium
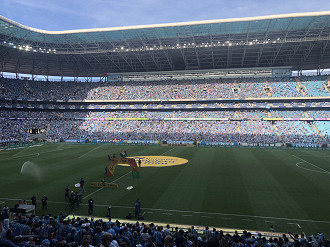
203, 133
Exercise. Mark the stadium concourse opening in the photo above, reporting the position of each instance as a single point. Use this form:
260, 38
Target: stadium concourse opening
231, 137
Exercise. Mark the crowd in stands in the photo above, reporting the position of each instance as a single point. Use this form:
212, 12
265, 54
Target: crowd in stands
248, 128
298, 132
242, 126
288, 114
60, 231
324, 128
164, 90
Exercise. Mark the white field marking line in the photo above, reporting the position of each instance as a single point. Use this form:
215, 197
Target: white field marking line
297, 164
311, 164
167, 151
168, 213
35, 154
269, 221
297, 225
194, 212
103, 187
186, 215
39, 145
20, 157
294, 224
93, 192
309, 155
147, 213
1, 202
90, 151
206, 216
20, 151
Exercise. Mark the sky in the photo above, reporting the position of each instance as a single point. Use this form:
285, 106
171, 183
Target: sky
58, 15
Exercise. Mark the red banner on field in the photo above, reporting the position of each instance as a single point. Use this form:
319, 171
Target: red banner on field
114, 162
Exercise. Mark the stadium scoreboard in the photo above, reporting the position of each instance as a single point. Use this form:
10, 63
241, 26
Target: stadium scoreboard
114, 78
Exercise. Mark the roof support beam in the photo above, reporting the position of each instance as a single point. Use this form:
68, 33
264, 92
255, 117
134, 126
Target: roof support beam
128, 45
196, 51
168, 58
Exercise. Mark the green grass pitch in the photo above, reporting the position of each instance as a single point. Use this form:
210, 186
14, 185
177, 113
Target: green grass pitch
240, 188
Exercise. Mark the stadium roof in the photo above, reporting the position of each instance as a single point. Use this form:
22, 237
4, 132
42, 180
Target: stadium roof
297, 40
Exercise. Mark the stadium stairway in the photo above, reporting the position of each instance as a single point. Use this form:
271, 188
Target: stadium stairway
47, 129
268, 92
300, 86
316, 129
327, 87
278, 134
276, 129
319, 133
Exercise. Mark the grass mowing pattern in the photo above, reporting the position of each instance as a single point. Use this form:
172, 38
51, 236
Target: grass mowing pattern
224, 187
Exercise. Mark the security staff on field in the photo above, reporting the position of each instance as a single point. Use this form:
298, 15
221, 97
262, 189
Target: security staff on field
66, 193
44, 202
90, 206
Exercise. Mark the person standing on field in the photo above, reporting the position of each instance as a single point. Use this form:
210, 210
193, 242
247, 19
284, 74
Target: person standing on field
44, 202
82, 184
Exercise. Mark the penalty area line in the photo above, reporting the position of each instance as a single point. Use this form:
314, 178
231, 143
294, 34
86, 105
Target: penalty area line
325, 171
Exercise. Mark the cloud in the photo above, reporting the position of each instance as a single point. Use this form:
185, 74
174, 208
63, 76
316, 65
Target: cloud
74, 14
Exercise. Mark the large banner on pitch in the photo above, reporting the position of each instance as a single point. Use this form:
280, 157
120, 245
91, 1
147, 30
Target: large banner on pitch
114, 162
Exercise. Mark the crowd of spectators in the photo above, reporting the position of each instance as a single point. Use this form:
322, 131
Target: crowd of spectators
298, 132
324, 128
164, 90
244, 126
60, 231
